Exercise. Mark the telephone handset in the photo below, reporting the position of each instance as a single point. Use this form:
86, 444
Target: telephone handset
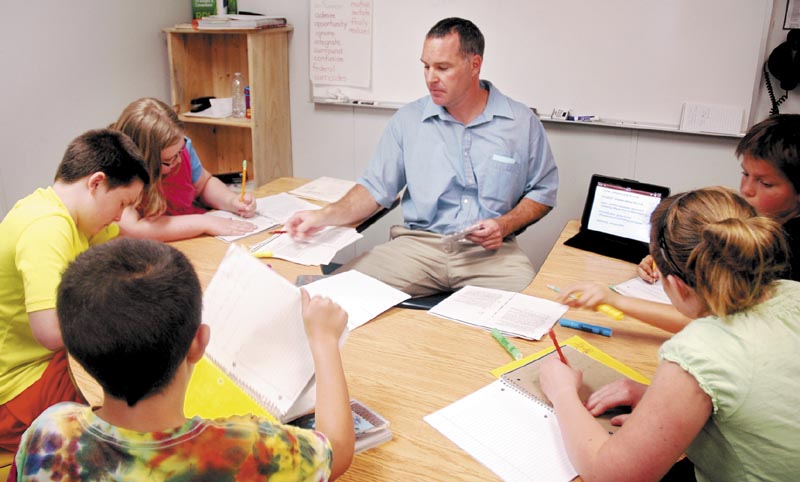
784, 64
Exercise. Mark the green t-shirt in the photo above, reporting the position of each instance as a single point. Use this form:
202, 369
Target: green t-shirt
750, 367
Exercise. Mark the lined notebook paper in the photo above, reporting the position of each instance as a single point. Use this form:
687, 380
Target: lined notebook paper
514, 438
257, 333
510, 427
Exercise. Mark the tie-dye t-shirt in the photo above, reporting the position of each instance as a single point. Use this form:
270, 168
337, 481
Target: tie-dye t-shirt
69, 442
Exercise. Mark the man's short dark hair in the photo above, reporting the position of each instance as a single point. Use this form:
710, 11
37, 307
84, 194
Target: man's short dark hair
103, 150
471, 39
775, 140
129, 310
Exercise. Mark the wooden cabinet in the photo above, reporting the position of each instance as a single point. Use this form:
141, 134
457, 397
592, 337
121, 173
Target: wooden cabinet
202, 64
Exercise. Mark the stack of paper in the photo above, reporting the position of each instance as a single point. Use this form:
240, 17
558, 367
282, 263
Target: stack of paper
282, 206
232, 21
315, 250
326, 189
512, 313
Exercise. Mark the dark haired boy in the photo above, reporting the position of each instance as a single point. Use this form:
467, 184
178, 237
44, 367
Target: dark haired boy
130, 313
770, 155
101, 173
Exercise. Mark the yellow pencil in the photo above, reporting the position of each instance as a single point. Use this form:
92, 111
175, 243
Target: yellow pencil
244, 177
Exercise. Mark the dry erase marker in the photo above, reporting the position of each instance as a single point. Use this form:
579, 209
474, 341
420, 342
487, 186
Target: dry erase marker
558, 347
509, 347
244, 177
579, 325
263, 254
602, 308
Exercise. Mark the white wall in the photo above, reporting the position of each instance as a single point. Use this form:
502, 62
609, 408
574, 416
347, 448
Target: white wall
73, 66
339, 141
78, 68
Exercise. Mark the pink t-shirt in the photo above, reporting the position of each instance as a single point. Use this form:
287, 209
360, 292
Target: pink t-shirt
179, 190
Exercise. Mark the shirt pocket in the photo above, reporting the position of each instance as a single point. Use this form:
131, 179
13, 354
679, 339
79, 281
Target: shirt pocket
500, 182
504, 163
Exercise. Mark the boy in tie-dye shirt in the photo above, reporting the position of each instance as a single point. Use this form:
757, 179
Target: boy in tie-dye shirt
130, 314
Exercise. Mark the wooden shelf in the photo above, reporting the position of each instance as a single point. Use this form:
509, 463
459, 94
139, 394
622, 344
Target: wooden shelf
202, 63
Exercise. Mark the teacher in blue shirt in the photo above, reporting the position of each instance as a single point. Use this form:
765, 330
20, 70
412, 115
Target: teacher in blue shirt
466, 155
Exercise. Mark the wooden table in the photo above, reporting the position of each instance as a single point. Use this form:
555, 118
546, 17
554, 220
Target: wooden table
406, 364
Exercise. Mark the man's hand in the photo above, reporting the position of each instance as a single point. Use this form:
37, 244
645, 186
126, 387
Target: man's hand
303, 224
489, 235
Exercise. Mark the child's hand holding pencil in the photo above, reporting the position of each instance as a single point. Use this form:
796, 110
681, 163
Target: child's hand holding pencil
590, 295
244, 205
647, 270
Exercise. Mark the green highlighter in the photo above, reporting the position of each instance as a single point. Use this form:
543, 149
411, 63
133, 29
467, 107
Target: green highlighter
509, 347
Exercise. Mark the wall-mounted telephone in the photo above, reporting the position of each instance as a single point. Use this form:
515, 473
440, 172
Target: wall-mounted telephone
784, 64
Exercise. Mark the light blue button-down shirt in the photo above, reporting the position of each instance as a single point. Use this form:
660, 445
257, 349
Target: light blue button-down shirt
455, 174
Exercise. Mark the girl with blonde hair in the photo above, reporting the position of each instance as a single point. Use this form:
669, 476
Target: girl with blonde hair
181, 188
726, 389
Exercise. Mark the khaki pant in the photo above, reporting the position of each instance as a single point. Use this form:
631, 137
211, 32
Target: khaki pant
418, 263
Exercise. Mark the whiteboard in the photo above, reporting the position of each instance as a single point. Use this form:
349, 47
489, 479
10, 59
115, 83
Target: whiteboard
635, 61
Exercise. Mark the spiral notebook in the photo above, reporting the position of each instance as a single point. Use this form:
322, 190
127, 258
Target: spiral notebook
258, 340
510, 427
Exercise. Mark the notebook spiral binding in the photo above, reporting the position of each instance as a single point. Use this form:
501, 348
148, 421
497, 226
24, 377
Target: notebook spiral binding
252, 392
510, 383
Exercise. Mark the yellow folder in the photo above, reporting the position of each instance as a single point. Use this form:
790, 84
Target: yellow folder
213, 394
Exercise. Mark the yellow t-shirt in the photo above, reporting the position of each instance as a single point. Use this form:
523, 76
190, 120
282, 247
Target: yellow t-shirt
38, 239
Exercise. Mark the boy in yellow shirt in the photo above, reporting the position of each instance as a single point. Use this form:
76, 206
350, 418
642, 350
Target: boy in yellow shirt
101, 173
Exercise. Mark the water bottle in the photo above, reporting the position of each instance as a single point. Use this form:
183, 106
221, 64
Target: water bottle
237, 96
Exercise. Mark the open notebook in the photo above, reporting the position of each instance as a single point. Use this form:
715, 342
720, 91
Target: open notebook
616, 217
258, 341
510, 427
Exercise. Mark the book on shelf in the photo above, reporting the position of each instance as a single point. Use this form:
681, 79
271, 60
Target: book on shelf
371, 428
258, 347
237, 22
510, 426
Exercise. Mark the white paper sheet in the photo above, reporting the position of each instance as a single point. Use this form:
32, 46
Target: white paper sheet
361, 296
282, 206
639, 288
220, 108
314, 251
513, 436
709, 118
262, 224
515, 314
257, 332
326, 189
